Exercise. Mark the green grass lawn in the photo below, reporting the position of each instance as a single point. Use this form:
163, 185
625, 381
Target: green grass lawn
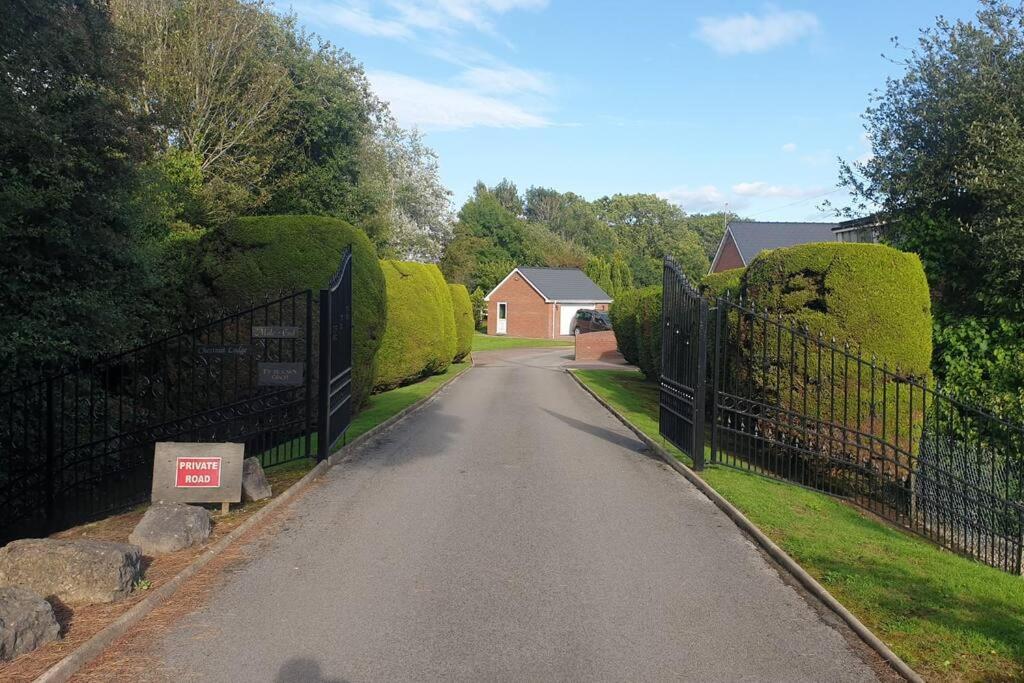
379, 408
948, 617
483, 342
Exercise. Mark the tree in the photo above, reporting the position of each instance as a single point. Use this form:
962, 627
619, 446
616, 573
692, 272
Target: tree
710, 227
948, 157
689, 253
508, 196
209, 74
74, 259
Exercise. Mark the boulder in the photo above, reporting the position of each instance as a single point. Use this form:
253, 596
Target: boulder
73, 571
168, 527
254, 481
26, 622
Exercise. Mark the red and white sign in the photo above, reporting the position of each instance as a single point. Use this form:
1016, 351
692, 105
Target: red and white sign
197, 473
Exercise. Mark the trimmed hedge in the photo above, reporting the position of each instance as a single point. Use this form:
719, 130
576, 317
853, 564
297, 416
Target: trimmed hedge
726, 282
636, 321
419, 337
462, 308
869, 296
252, 258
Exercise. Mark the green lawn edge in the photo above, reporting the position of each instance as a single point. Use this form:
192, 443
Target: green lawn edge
379, 408
948, 617
484, 342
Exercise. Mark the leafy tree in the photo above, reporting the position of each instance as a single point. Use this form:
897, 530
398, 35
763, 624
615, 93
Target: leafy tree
600, 271
74, 259
689, 253
508, 196
948, 156
710, 227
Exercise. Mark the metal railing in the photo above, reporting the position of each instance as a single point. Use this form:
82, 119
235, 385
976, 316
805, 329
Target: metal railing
788, 404
79, 445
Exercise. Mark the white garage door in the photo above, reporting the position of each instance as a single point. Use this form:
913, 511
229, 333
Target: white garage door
568, 313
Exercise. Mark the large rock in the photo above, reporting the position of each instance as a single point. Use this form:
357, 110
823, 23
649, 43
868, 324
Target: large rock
73, 571
168, 527
26, 622
254, 481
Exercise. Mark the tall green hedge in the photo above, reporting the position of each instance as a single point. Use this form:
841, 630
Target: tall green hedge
636, 321
462, 308
251, 258
419, 337
726, 282
870, 297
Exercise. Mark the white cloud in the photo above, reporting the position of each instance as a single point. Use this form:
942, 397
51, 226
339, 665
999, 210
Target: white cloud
745, 33
789, 147
357, 19
403, 17
504, 80
762, 189
699, 199
437, 107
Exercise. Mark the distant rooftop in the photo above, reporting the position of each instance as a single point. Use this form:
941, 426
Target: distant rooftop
754, 237
564, 284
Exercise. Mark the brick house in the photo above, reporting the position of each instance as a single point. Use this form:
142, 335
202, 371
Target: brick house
743, 240
540, 303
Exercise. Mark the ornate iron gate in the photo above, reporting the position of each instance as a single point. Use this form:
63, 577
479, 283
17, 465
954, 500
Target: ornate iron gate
335, 357
683, 364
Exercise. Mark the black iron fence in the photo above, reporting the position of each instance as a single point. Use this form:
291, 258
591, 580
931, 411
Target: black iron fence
788, 404
79, 445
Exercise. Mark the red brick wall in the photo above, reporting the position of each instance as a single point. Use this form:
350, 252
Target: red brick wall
729, 257
596, 346
528, 314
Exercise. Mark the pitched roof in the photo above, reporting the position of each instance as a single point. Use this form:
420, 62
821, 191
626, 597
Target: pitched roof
752, 238
560, 284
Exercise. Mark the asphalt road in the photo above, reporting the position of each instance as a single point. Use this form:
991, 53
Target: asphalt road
511, 529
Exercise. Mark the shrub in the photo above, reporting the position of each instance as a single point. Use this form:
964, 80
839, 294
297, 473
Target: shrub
252, 258
462, 308
419, 337
868, 295
623, 316
874, 299
636, 321
726, 282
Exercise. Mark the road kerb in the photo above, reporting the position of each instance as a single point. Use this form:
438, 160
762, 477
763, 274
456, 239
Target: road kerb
808, 582
92, 648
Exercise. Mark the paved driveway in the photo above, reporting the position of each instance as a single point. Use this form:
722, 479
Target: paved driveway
510, 530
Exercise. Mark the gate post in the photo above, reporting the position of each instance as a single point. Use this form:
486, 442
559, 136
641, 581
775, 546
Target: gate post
715, 367
700, 385
323, 400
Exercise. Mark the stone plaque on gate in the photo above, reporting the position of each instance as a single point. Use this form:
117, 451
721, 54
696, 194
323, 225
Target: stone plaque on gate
197, 472
276, 332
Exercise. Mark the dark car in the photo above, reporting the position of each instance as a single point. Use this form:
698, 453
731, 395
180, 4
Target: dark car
589, 320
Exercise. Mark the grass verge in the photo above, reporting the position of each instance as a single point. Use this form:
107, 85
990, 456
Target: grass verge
950, 618
483, 342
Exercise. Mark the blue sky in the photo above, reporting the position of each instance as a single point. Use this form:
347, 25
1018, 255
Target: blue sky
710, 104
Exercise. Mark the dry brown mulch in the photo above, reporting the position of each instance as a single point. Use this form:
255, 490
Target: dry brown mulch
81, 622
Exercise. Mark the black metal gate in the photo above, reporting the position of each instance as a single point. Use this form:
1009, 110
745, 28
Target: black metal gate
335, 357
683, 364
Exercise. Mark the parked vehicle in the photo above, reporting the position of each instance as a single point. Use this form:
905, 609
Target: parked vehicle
589, 320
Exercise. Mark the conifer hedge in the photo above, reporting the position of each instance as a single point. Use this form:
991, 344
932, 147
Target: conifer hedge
465, 325
419, 336
253, 258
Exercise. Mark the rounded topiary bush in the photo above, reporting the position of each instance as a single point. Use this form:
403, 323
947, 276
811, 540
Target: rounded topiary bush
647, 327
727, 282
462, 308
623, 316
419, 336
868, 295
864, 405
256, 257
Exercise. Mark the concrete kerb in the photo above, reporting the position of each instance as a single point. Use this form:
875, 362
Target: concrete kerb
807, 581
92, 648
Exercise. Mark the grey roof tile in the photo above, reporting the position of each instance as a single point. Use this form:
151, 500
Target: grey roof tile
564, 284
754, 237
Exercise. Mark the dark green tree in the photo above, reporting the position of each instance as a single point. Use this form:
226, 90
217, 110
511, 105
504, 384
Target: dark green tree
74, 259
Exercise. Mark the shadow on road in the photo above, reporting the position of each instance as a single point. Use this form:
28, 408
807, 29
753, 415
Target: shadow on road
627, 442
303, 670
